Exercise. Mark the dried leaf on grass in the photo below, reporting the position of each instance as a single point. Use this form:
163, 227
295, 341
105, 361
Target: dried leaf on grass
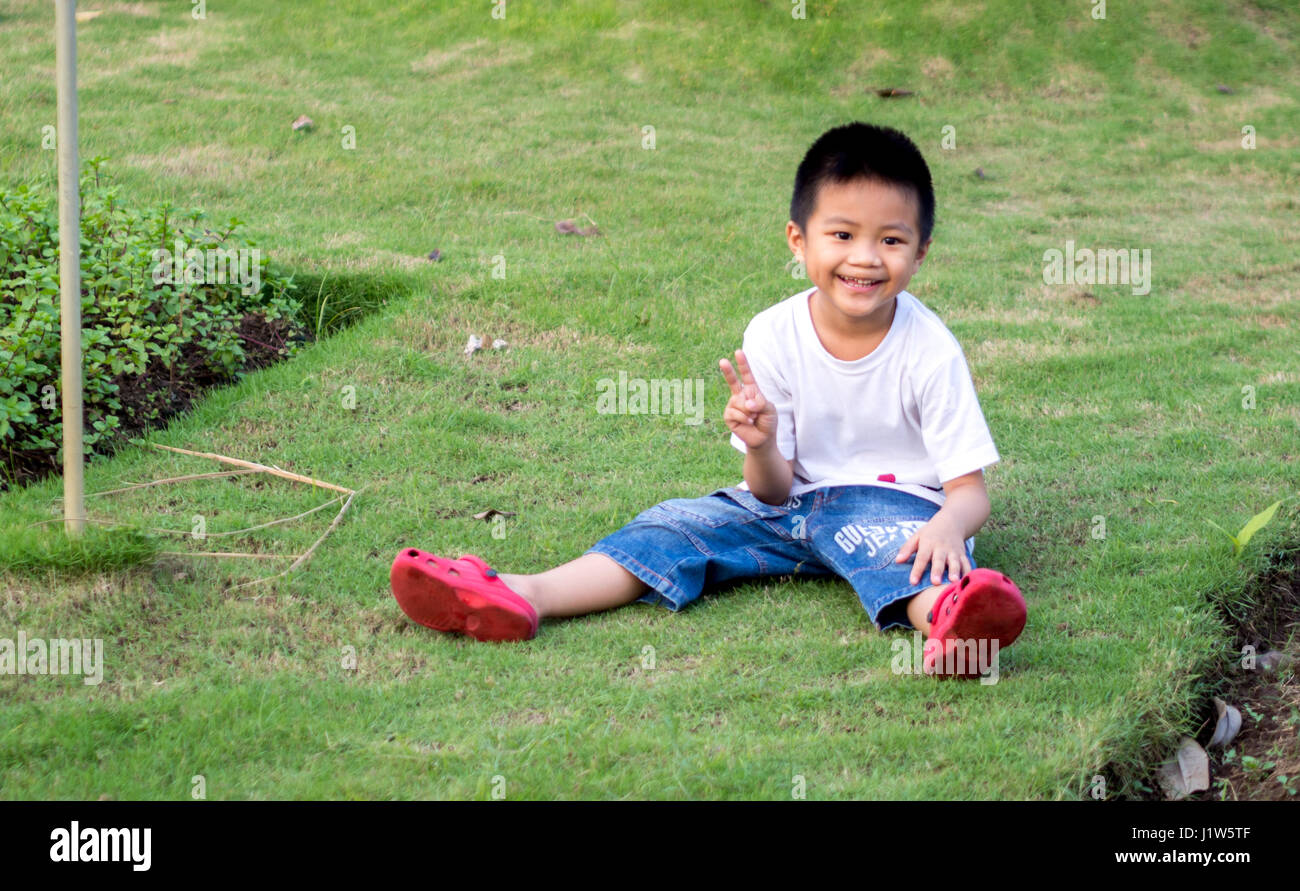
1189, 772
1274, 660
1229, 723
568, 227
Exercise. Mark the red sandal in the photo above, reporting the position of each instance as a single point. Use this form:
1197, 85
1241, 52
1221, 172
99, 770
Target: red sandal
464, 595
973, 618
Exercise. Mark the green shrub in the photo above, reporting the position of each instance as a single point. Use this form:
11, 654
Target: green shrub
150, 339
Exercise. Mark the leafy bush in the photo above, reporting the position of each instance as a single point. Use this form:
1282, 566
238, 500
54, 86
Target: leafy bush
151, 340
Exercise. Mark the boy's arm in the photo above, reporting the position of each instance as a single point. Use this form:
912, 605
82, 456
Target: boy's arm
769, 475
966, 503
941, 543
956, 438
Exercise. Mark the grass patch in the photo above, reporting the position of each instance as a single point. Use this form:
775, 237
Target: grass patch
47, 547
332, 301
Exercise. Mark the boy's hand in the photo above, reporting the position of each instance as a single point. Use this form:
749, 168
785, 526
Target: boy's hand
748, 414
940, 544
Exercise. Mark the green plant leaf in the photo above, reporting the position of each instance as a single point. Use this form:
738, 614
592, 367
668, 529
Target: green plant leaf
1236, 547
1258, 522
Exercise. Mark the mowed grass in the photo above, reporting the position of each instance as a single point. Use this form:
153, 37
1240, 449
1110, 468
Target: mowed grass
473, 136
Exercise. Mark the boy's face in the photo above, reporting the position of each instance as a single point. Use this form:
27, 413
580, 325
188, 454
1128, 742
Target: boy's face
865, 230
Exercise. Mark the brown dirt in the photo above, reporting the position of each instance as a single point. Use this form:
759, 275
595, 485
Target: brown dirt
168, 390
1268, 699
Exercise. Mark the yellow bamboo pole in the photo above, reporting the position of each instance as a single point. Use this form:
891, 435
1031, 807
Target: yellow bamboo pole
252, 465
65, 28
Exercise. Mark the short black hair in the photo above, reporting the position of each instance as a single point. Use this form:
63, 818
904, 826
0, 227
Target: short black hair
859, 150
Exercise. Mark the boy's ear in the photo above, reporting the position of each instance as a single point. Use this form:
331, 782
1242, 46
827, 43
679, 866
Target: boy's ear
793, 236
923, 250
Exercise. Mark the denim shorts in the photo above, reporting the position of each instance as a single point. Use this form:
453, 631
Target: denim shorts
683, 546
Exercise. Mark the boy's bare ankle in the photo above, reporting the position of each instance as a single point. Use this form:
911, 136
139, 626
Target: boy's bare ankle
919, 606
525, 587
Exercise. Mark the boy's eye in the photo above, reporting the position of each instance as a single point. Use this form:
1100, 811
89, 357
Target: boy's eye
890, 240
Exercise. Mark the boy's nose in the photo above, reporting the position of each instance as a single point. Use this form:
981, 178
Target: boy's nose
864, 256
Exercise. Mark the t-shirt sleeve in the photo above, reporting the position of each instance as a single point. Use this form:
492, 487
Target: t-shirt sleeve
765, 361
957, 438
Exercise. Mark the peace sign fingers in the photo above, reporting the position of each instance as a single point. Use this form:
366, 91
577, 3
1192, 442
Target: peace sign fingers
746, 376
749, 415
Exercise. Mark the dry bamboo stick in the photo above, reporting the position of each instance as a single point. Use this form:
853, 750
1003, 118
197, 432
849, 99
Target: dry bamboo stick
259, 525
175, 479
310, 550
303, 559
254, 466
228, 554
184, 532
87, 519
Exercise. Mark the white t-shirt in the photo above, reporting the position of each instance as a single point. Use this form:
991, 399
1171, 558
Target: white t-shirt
907, 408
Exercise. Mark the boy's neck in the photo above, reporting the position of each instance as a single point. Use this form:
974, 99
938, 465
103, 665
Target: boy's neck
849, 345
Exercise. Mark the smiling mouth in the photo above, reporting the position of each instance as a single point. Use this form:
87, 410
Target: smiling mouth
860, 285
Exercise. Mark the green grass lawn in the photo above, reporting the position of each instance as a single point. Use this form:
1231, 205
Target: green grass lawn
473, 136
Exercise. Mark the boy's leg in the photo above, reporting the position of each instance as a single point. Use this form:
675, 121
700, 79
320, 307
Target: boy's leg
919, 606
671, 553
859, 530
591, 583
594, 582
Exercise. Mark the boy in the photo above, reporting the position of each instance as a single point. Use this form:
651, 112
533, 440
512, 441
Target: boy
852, 404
